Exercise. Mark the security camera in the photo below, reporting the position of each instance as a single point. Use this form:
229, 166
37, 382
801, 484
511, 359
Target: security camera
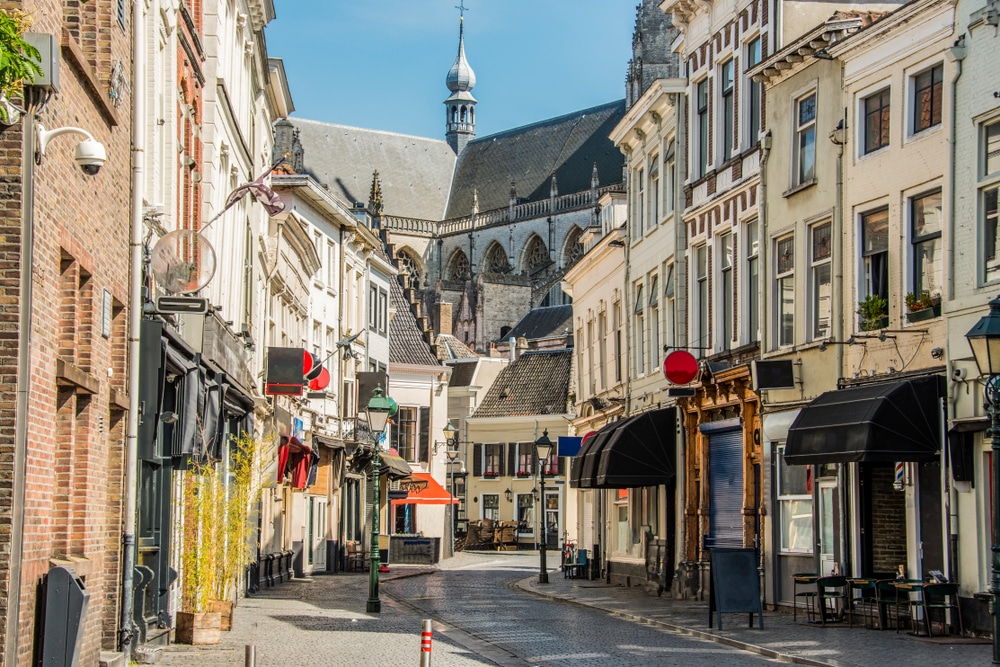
91, 156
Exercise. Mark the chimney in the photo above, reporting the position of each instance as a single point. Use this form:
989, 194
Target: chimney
444, 318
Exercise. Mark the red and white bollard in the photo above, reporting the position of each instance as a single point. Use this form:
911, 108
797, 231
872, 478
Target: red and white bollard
425, 643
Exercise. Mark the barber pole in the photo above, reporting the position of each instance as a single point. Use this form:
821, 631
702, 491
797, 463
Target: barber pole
425, 644
900, 476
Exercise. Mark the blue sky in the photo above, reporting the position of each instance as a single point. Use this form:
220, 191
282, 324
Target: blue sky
381, 64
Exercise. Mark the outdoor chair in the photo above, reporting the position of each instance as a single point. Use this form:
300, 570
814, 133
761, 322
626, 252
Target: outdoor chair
578, 568
832, 597
867, 602
808, 595
887, 595
356, 557
943, 597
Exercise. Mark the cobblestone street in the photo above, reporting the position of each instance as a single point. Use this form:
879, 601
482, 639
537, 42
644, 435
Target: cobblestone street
488, 610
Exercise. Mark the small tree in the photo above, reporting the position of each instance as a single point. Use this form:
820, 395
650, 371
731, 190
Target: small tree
240, 509
18, 62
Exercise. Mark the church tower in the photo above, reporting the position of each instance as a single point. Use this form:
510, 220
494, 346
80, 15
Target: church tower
460, 107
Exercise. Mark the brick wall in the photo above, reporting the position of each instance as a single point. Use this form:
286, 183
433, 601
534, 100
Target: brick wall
75, 434
888, 527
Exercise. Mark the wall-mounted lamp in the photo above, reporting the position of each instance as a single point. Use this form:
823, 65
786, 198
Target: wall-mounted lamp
507, 494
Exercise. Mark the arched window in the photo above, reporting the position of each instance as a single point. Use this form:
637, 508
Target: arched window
496, 259
573, 248
410, 266
537, 255
458, 266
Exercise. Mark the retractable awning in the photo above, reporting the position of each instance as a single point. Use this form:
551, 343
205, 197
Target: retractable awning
394, 466
876, 423
425, 490
638, 451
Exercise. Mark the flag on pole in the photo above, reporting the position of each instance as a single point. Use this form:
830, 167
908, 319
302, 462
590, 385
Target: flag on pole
264, 195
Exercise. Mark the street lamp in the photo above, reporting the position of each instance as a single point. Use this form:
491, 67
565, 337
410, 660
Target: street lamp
452, 454
379, 409
543, 448
984, 339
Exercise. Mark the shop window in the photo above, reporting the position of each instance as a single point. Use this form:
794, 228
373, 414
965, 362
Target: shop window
794, 489
491, 506
525, 513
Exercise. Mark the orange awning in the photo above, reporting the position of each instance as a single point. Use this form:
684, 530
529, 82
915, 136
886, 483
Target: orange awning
425, 491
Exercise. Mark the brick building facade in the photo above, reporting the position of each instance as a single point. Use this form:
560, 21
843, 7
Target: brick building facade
63, 507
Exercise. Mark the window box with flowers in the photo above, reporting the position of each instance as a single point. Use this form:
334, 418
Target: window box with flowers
922, 307
491, 474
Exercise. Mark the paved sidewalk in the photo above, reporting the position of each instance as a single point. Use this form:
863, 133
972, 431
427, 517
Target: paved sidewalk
836, 644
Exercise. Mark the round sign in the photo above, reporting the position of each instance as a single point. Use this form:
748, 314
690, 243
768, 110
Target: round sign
680, 367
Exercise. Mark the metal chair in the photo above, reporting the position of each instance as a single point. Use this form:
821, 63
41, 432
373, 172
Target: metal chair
888, 595
831, 591
808, 595
355, 557
867, 601
942, 597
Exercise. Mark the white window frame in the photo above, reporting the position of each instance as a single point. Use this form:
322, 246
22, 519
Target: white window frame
817, 265
641, 203
911, 98
726, 268
860, 115
701, 317
654, 192
702, 122
780, 278
654, 321
669, 175
727, 114
640, 330
803, 131
751, 259
989, 186
751, 135
783, 500
483, 508
915, 284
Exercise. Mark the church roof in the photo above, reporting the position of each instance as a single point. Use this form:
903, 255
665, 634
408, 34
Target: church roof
406, 340
545, 322
537, 383
415, 172
567, 146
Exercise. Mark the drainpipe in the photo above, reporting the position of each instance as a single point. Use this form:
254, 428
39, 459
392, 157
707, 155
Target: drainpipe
955, 54
679, 102
126, 630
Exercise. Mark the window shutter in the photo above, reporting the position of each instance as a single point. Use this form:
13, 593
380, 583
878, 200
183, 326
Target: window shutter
424, 426
501, 458
477, 460
512, 458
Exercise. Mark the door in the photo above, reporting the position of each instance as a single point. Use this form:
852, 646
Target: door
828, 525
552, 524
317, 532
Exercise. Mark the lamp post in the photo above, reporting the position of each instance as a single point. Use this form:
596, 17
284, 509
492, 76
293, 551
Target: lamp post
543, 448
379, 409
984, 339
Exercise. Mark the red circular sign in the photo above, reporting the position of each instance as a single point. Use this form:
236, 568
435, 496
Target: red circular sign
680, 367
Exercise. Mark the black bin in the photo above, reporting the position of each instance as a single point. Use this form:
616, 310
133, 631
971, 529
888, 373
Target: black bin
66, 601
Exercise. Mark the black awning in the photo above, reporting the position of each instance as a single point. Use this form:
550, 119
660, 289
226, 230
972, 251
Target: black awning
638, 451
876, 423
330, 443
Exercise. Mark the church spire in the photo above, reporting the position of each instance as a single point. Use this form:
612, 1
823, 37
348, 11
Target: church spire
460, 107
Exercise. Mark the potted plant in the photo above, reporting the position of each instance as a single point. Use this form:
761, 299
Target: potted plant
18, 63
874, 312
200, 562
922, 306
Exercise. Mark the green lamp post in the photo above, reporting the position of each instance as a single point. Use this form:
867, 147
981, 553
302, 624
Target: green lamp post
984, 339
379, 409
543, 449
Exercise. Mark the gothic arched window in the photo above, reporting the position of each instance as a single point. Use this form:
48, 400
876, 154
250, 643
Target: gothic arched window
537, 256
410, 265
458, 267
573, 249
496, 259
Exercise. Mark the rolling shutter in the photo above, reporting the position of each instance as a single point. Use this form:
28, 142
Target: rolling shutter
725, 452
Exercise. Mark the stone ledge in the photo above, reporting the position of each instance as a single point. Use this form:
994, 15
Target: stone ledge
68, 373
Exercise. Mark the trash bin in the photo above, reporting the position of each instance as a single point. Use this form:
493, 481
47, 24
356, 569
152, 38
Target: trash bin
66, 601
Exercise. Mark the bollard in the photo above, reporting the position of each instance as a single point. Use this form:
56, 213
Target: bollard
250, 656
425, 644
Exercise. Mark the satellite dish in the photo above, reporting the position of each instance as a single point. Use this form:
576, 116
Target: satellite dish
182, 261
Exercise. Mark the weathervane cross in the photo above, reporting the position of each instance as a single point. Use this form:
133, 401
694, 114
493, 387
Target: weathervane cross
461, 8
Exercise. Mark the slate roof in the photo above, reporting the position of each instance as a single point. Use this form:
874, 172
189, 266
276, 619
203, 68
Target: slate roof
451, 348
568, 146
462, 373
406, 340
546, 322
536, 383
415, 172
